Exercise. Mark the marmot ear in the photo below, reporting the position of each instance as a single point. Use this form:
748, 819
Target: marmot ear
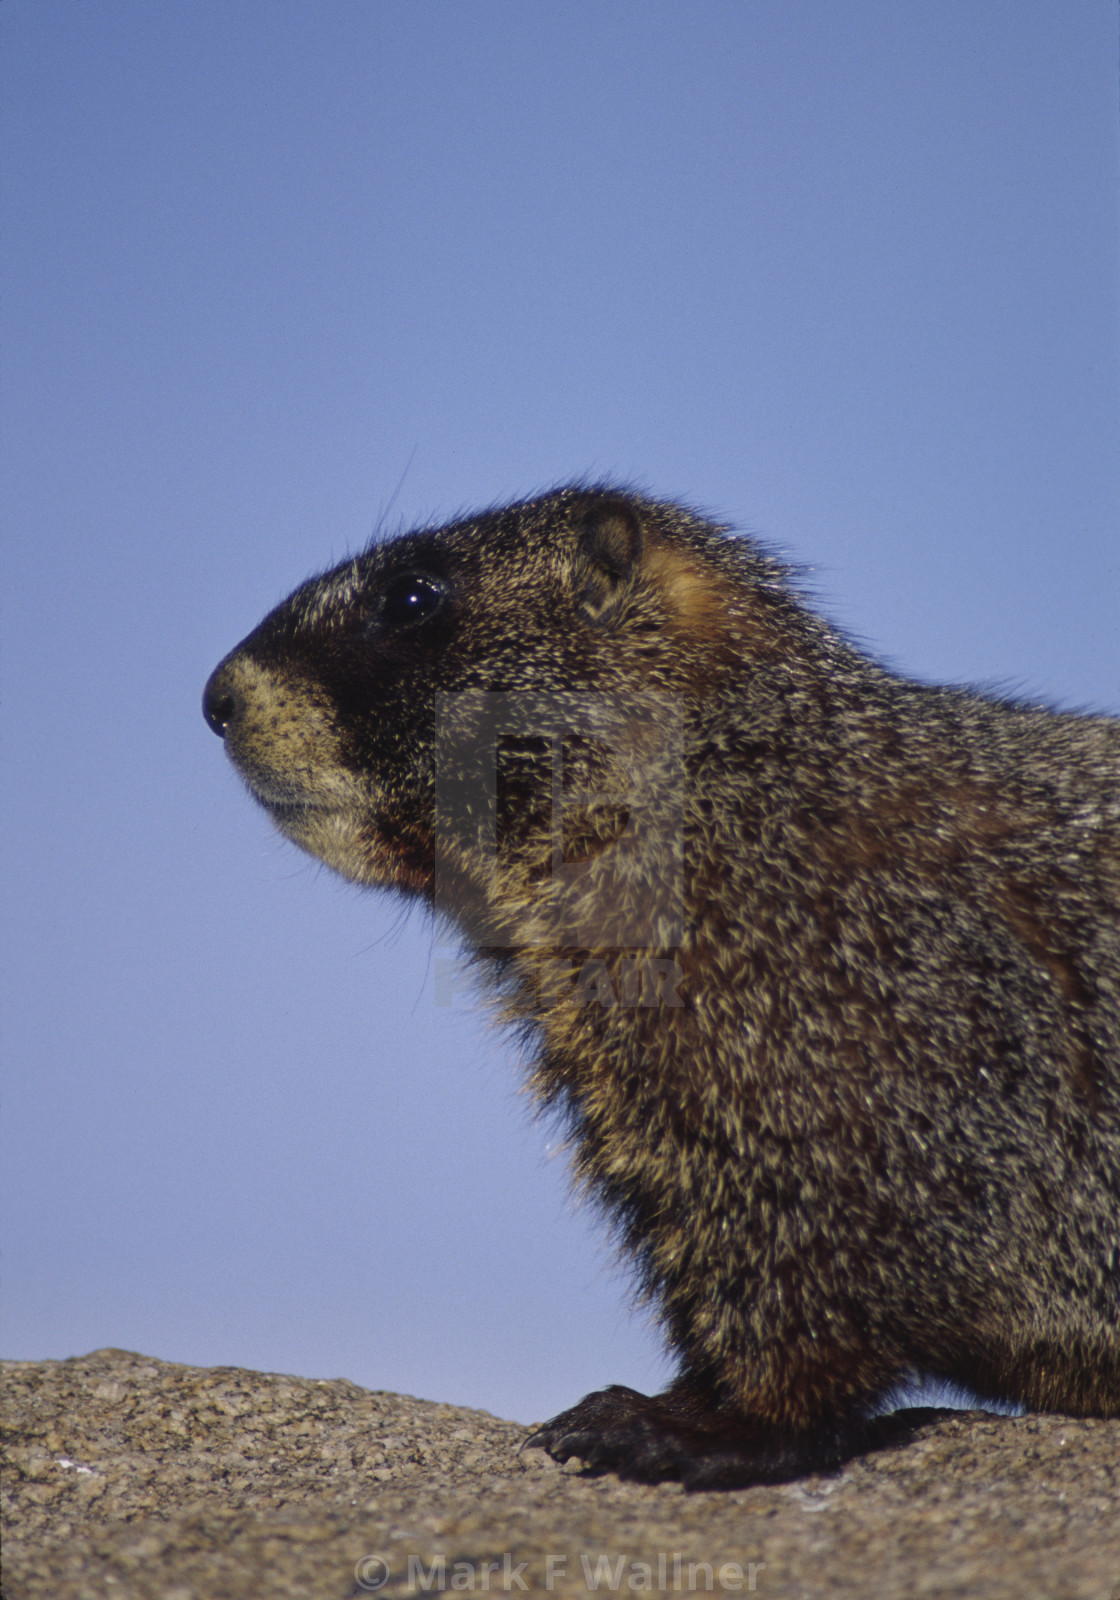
608, 534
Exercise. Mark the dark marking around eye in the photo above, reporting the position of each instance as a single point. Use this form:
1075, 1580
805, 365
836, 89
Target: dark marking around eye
410, 597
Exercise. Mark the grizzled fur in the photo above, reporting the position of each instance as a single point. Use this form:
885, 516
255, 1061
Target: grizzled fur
869, 1126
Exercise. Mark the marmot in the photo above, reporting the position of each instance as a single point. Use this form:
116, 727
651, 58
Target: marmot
822, 965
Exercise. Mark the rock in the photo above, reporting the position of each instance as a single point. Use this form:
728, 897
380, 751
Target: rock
144, 1480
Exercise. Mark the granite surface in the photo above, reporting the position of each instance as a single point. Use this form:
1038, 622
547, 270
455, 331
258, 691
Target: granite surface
131, 1477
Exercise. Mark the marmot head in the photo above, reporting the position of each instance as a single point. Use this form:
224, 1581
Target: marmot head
421, 689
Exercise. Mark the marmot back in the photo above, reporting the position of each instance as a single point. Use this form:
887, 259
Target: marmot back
822, 965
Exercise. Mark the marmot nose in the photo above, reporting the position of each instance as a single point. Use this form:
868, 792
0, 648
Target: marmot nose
220, 701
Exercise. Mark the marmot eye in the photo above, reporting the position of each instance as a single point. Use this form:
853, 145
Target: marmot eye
410, 597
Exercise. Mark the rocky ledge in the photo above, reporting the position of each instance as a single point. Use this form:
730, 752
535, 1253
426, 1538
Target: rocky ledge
136, 1478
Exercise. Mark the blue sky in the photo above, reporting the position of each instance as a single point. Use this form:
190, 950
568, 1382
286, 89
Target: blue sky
279, 275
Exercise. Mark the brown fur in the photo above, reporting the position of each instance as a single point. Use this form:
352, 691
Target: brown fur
823, 966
